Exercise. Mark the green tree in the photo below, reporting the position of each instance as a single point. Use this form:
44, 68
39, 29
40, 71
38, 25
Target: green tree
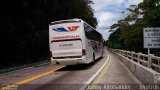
130, 29
24, 26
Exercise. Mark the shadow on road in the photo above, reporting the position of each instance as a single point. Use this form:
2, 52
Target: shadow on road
80, 66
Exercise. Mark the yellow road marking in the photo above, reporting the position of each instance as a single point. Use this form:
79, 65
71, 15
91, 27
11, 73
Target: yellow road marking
30, 79
99, 78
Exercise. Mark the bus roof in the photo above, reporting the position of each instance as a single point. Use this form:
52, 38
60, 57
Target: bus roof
66, 21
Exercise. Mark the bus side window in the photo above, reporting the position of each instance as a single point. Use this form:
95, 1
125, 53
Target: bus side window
89, 32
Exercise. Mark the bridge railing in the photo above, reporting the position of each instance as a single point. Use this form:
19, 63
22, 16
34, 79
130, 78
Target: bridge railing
149, 61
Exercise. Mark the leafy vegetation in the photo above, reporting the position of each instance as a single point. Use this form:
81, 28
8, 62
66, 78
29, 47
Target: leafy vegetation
24, 27
129, 31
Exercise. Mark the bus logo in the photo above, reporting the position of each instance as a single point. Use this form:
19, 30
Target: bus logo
73, 28
62, 29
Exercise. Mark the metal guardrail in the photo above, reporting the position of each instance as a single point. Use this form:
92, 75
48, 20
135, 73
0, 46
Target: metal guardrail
149, 61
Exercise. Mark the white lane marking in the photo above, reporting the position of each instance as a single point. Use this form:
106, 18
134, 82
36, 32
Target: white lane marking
98, 72
95, 75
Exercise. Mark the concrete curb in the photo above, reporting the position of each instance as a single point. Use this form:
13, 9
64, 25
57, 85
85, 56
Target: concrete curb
27, 66
144, 74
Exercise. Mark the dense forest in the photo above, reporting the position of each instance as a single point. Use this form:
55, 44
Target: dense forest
128, 32
24, 27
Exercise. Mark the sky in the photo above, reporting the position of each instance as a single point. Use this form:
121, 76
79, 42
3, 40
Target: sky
109, 12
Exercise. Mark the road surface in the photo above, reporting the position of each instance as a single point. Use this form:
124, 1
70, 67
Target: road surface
60, 77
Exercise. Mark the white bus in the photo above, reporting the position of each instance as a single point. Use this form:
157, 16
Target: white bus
73, 41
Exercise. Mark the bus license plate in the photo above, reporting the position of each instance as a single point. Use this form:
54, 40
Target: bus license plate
65, 45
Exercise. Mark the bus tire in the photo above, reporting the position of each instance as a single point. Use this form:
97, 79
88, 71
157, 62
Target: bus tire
93, 58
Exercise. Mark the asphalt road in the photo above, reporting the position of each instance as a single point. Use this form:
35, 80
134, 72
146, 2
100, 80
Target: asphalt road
59, 77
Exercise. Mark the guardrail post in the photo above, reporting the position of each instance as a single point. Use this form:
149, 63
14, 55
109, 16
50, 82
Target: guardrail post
138, 57
149, 60
123, 53
117, 51
126, 54
132, 55
139, 54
